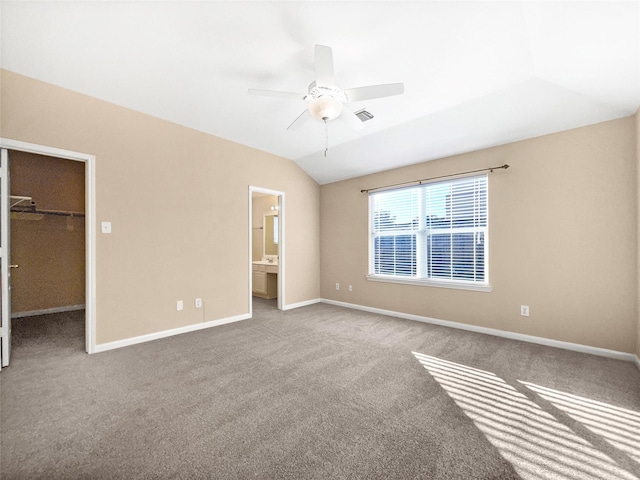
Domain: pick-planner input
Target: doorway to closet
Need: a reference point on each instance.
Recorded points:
(48, 252)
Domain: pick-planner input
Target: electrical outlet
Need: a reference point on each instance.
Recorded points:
(350, 288)
(524, 310)
(337, 286)
(179, 305)
(198, 303)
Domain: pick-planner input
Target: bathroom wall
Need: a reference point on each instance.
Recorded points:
(261, 206)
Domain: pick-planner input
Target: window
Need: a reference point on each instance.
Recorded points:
(434, 234)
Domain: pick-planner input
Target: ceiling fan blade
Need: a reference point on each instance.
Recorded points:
(374, 91)
(301, 120)
(351, 119)
(324, 65)
(275, 93)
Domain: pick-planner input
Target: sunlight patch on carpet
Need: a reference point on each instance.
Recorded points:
(531, 439)
(618, 426)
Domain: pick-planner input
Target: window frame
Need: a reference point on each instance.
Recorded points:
(421, 236)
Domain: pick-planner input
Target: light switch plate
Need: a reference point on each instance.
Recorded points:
(106, 227)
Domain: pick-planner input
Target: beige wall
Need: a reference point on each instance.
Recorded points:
(49, 249)
(178, 202)
(563, 234)
(638, 222)
(562, 239)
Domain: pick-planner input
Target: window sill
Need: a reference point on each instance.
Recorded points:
(431, 283)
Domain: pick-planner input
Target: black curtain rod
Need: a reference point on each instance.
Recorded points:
(419, 182)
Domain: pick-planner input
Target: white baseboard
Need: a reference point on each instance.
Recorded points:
(44, 311)
(302, 304)
(576, 347)
(103, 347)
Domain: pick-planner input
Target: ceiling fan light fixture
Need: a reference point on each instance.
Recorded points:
(325, 108)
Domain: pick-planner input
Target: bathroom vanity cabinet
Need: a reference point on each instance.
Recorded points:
(265, 280)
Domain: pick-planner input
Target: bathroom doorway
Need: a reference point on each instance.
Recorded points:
(266, 249)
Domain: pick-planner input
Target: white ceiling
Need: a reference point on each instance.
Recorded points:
(476, 74)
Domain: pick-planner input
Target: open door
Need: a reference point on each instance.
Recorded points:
(5, 260)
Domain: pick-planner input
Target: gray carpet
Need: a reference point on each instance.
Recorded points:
(319, 392)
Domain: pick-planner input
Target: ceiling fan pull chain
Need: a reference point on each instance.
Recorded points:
(326, 137)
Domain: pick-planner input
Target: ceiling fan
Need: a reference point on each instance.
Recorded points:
(325, 100)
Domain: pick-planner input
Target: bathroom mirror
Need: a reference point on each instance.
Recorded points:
(270, 229)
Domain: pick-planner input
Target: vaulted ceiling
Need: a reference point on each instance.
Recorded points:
(476, 74)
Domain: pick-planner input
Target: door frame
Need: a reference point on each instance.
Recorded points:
(5, 258)
(281, 244)
(89, 224)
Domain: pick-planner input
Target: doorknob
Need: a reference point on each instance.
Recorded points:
(14, 266)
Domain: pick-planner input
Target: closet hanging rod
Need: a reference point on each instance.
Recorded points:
(60, 213)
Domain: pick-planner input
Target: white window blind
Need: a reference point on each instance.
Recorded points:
(437, 232)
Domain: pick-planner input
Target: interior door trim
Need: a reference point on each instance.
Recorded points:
(5, 259)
